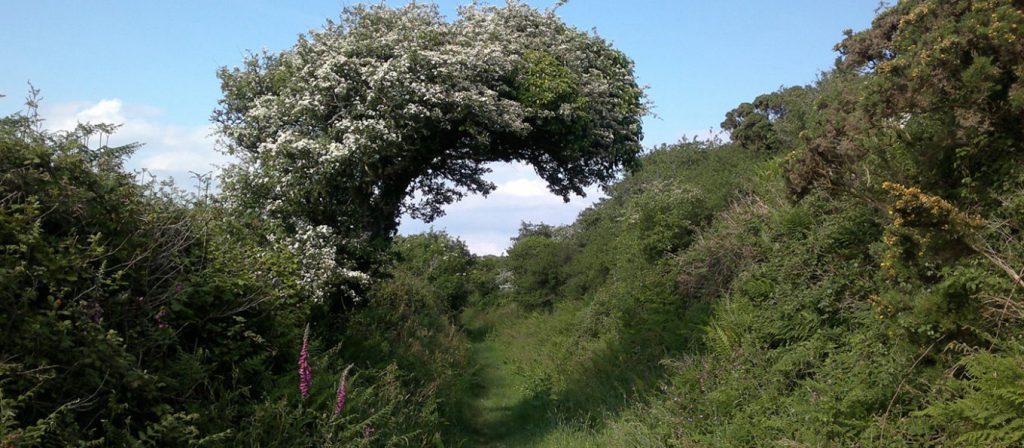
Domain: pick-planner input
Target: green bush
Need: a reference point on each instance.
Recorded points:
(131, 313)
(535, 262)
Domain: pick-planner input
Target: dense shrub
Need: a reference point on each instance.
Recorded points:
(131, 313)
(535, 262)
(136, 314)
(845, 273)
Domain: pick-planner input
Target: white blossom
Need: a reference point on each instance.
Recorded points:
(359, 115)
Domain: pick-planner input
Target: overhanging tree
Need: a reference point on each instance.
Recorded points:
(393, 111)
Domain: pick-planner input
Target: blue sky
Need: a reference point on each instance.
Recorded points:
(152, 65)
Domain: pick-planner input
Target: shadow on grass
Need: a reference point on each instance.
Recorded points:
(478, 333)
(597, 387)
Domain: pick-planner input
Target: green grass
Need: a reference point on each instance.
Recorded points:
(513, 401)
(533, 386)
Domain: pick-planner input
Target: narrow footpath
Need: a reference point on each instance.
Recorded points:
(506, 410)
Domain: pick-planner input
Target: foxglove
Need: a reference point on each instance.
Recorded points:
(342, 393)
(305, 371)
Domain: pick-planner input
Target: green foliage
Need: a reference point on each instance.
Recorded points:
(773, 122)
(128, 314)
(439, 260)
(845, 272)
(535, 262)
(408, 331)
(987, 406)
(934, 105)
(700, 305)
(594, 305)
(485, 281)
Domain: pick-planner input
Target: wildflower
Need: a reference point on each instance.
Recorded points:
(340, 403)
(160, 318)
(305, 372)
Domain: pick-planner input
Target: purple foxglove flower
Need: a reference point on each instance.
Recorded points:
(342, 392)
(305, 371)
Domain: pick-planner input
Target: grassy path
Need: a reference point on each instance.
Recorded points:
(534, 386)
(506, 410)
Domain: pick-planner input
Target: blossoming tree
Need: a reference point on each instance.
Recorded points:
(393, 111)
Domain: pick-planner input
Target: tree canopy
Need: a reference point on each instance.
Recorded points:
(393, 111)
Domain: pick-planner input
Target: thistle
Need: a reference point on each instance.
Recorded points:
(342, 393)
(305, 372)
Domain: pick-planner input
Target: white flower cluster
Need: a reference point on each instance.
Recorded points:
(387, 102)
(316, 249)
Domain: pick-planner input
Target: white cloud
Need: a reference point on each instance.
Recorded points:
(168, 149)
(488, 224)
(487, 243)
(525, 188)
